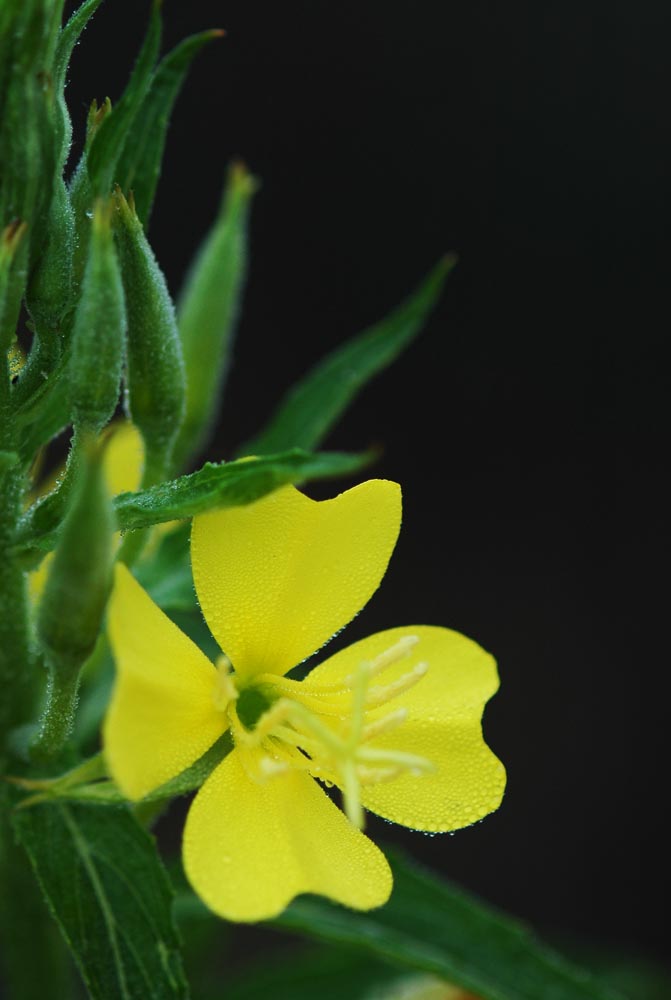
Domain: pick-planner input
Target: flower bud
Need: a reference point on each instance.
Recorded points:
(78, 584)
(208, 311)
(155, 370)
(99, 329)
(49, 293)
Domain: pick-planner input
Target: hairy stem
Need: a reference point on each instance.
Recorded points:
(15, 647)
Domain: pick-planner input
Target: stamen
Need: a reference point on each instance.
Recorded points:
(225, 690)
(351, 796)
(409, 761)
(322, 729)
(270, 766)
(384, 724)
(380, 693)
(388, 657)
(373, 775)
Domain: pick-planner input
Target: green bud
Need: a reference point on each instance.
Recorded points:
(155, 369)
(99, 329)
(81, 195)
(208, 311)
(49, 294)
(77, 588)
(71, 610)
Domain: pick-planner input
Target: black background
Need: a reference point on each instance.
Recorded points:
(528, 424)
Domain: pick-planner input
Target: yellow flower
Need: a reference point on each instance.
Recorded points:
(393, 721)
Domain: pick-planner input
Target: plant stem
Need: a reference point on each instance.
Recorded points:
(59, 712)
(15, 646)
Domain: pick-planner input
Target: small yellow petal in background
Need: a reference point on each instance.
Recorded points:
(250, 848)
(124, 458)
(443, 725)
(162, 716)
(37, 579)
(123, 462)
(277, 578)
(420, 988)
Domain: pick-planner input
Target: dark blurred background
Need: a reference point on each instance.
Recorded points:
(528, 424)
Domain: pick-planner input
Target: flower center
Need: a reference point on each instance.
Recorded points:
(326, 730)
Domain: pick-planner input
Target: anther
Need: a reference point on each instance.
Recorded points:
(380, 693)
(387, 658)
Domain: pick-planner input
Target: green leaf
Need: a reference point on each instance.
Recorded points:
(638, 977)
(68, 38)
(312, 407)
(140, 164)
(230, 484)
(109, 141)
(431, 926)
(327, 973)
(105, 886)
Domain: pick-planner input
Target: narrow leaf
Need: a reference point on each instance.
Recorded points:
(431, 926)
(107, 146)
(110, 895)
(140, 165)
(312, 407)
(69, 37)
(67, 40)
(328, 973)
(230, 484)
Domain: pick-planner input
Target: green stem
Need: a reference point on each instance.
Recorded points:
(15, 646)
(58, 717)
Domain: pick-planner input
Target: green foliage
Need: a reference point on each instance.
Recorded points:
(155, 371)
(328, 973)
(208, 310)
(11, 281)
(311, 408)
(229, 484)
(430, 926)
(109, 141)
(99, 330)
(140, 164)
(75, 597)
(107, 889)
(77, 587)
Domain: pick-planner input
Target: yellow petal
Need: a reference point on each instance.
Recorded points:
(443, 725)
(162, 715)
(122, 464)
(37, 579)
(276, 579)
(124, 458)
(249, 847)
